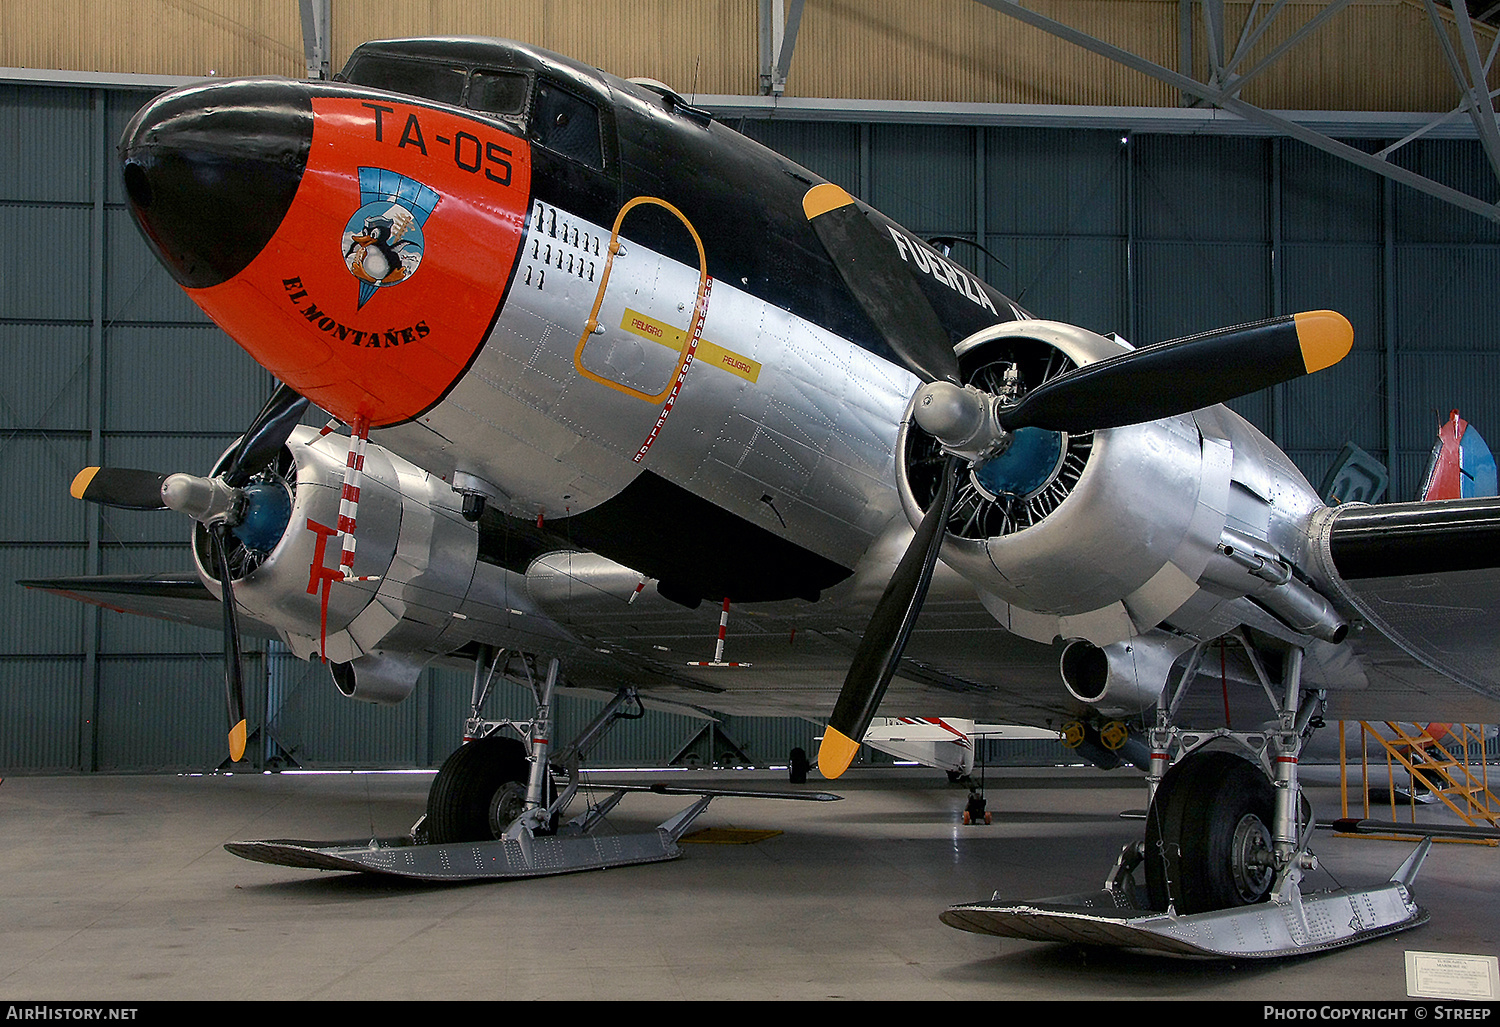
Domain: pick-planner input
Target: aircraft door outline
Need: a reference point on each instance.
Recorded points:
(615, 321)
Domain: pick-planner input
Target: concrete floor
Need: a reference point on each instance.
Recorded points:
(119, 889)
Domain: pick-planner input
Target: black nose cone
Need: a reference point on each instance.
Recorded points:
(210, 172)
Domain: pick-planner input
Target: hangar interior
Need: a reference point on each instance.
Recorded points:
(1096, 193)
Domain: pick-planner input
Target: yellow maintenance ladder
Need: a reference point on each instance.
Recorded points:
(1439, 761)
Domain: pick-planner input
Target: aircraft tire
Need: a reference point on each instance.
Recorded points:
(1207, 834)
(460, 800)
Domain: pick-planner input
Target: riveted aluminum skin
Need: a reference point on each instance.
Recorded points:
(772, 404)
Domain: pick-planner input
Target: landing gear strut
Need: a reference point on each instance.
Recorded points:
(1220, 832)
(494, 783)
(1225, 849)
(495, 808)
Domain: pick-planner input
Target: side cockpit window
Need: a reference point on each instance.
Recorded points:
(554, 117)
(567, 124)
(498, 92)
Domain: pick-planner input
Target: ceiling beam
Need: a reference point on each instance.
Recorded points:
(1225, 100)
(779, 22)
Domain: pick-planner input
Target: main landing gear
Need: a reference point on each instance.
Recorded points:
(1226, 846)
(495, 808)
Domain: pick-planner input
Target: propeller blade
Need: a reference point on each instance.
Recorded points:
(121, 487)
(266, 435)
(881, 282)
(879, 652)
(1184, 374)
(234, 678)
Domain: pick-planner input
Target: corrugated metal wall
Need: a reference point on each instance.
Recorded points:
(1151, 235)
(1375, 55)
(160, 37)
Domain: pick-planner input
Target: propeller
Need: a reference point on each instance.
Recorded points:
(976, 427)
(879, 653)
(225, 504)
(266, 435)
(879, 280)
(234, 673)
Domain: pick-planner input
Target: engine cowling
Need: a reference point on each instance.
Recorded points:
(430, 594)
(1097, 536)
(1103, 536)
(1123, 678)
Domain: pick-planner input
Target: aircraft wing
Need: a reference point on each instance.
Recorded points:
(1422, 577)
(181, 598)
(960, 661)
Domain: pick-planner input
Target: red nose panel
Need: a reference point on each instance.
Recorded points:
(378, 288)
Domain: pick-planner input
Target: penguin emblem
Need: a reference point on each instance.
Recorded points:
(375, 253)
(383, 241)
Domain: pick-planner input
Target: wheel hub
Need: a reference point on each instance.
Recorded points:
(1252, 862)
(508, 804)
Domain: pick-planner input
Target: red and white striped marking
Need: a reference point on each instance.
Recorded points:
(718, 660)
(637, 593)
(320, 577)
(959, 738)
(354, 469)
(699, 313)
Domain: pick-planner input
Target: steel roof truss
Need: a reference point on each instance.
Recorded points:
(1224, 100)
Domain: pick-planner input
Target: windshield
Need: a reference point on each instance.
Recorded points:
(493, 92)
(439, 82)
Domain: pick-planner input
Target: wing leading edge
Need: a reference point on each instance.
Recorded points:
(182, 598)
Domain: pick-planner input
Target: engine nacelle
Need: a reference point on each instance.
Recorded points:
(1105, 535)
(429, 593)
(1096, 536)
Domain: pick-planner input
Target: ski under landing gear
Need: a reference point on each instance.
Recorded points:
(495, 808)
(1225, 849)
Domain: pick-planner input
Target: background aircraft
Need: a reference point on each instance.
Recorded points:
(946, 743)
(608, 367)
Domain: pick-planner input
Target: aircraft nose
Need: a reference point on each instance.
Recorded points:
(211, 170)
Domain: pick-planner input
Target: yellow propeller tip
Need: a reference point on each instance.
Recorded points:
(81, 481)
(836, 753)
(820, 199)
(1325, 337)
(237, 742)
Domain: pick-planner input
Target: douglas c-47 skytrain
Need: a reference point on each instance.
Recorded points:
(603, 374)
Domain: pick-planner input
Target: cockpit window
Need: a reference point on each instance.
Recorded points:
(567, 124)
(426, 79)
(559, 119)
(498, 92)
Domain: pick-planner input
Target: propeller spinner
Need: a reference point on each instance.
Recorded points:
(978, 428)
(229, 503)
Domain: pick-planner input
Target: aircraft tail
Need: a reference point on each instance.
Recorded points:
(1462, 466)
